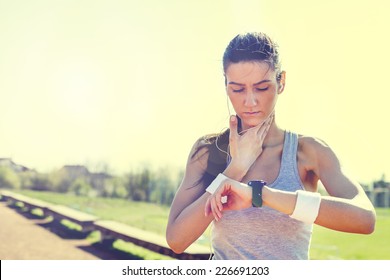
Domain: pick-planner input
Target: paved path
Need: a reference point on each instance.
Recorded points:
(23, 238)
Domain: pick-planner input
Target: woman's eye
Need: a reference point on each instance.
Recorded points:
(262, 89)
(238, 90)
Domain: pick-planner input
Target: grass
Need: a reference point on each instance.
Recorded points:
(142, 215)
(326, 244)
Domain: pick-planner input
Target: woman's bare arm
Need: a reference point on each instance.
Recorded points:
(347, 208)
(187, 222)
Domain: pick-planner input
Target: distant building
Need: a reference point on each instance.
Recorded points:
(379, 193)
(7, 162)
(74, 171)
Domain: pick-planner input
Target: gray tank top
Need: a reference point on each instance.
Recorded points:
(264, 233)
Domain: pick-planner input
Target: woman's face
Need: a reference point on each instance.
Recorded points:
(253, 90)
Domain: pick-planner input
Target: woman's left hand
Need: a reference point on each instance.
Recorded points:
(238, 196)
(246, 147)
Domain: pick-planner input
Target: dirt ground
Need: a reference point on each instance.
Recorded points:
(25, 237)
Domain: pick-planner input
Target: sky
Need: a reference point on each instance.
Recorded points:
(124, 83)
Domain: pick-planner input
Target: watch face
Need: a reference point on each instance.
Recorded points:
(257, 189)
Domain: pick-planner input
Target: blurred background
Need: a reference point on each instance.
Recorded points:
(106, 98)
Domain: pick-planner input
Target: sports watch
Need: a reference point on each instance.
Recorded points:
(257, 192)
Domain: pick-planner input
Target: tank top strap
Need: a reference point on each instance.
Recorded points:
(289, 166)
(289, 157)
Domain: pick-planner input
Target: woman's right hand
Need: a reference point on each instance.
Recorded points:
(247, 147)
(237, 195)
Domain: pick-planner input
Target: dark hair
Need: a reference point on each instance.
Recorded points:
(255, 46)
(217, 146)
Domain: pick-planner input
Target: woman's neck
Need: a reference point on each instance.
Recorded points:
(274, 136)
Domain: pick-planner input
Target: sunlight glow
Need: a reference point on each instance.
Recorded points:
(129, 82)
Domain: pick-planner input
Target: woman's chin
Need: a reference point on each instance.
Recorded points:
(250, 124)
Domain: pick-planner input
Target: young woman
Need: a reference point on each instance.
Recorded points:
(271, 218)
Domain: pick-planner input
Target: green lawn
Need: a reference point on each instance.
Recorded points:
(326, 244)
(329, 244)
(143, 215)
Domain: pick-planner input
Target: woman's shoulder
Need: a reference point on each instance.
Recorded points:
(209, 145)
(213, 139)
(316, 155)
(200, 149)
(314, 147)
(311, 142)
(202, 144)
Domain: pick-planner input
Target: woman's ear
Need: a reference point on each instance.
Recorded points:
(282, 82)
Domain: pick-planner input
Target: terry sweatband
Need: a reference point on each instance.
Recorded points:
(216, 183)
(307, 206)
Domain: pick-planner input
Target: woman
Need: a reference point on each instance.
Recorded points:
(222, 179)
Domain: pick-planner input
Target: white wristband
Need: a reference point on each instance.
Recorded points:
(307, 206)
(216, 183)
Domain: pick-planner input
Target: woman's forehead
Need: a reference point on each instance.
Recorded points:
(250, 71)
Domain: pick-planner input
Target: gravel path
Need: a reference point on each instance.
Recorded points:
(23, 238)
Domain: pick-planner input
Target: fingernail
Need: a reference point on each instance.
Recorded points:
(232, 118)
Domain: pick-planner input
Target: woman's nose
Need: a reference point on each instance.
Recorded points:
(250, 99)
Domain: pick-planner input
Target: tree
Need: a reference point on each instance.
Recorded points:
(8, 178)
(81, 187)
(140, 185)
(165, 182)
(115, 187)
(40, 182)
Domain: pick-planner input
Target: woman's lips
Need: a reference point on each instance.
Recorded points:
(251, 114)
